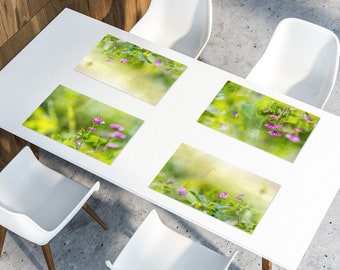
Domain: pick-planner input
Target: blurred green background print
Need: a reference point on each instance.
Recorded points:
(259, 120)
(84, 124)
(130, 68)
(215, 187)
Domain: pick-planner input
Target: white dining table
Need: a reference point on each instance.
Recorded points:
(308, 185)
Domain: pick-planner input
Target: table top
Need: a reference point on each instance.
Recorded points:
(307, 185)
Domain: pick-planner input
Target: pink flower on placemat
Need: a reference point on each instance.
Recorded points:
(222, 195)
(182, 191)
(171, 181)
(307, 117)
(274, 133)
(112, 145)
(91, 128)
(158, 62)
(117, 127)
(240, 196)
(77, 143)
(117, 134)
(271, 126)
(124, 60)
(234, 114)
(293, 138)
(275, 116)
(98, 120)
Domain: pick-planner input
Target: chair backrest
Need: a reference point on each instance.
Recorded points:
(301, 61)
(183, 26)
(37, 202)
(155, 246)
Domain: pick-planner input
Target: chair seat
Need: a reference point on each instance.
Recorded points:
(36, 202)
(155, 246)
(301, 61)
(50, 205)
(183, 26)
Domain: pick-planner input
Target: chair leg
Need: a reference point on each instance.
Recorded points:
(46, 249)
(93, 214)
(48, 256)
(3, 231)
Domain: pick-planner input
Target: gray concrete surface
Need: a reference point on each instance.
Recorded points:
(241, 30)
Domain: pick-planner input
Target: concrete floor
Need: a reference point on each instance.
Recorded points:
(241, 30)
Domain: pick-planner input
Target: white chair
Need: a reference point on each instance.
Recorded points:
(156, 247)
(37, 202)
(301, 61)
(182, 25)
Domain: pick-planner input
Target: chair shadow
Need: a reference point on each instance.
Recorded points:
(193, 231)
(181, 44)
(301, 92)
(23, 246)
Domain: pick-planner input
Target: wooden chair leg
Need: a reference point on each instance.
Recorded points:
(48, 256)
(93, 214)
(266, 265)
(3, 231)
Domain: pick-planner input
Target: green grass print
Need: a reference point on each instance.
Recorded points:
(130, 68)
(259, 120)
(215, 187)
(84, 124)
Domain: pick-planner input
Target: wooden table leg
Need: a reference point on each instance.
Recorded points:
(266, 265)
(10, 145)
(3, 231)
